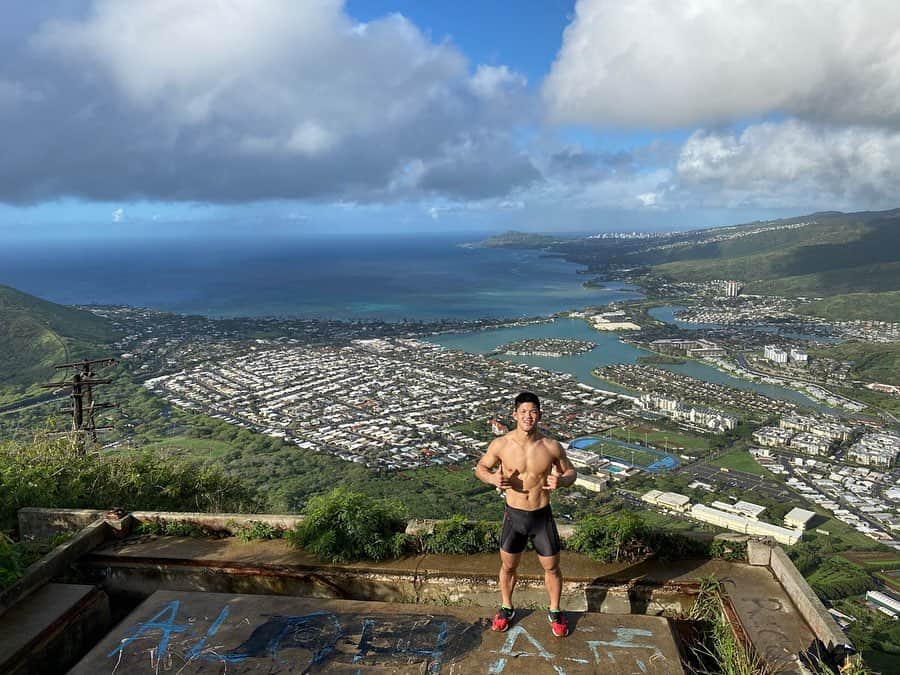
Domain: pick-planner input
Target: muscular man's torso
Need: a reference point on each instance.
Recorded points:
(527, 463)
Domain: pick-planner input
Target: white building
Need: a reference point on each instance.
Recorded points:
(744, 525)
(741, 508)
(776, 354)
(811, 444)
(732, 289)
(885, 603)
(668, 500)
(798, 519)
(799, 356)
(876, 449)
(592, 483)
(773, 436)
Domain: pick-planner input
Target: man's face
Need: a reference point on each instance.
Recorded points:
(527, 415)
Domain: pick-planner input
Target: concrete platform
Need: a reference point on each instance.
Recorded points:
(183, 632)
(51, 627)
(764, 609)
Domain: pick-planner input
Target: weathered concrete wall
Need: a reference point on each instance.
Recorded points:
(55, 563)
(808, 604)
(43, 524)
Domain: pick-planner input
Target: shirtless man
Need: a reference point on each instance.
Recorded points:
(526, 460)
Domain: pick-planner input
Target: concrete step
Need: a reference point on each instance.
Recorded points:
(48, 630)
(190, 632)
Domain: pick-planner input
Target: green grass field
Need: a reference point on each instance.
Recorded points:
(199, 448)
(659, 438)
(739, 460)
(638, 457)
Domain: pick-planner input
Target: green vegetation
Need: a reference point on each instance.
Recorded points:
(839, 578)
(659, 359)
(715, 650)
(626, 537)
(47, 472)
(256, 530)
(872, 361)
(875, 635)
(344, 526)
(515, 239)
(839, 254)
(741, 460)
(35, 335)
(458, 536)
(862, 306)
(660, 438)
(173, 528)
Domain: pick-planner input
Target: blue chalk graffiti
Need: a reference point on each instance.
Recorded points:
(507, 649)
(167, 627)
(625, 640)
(317, 633)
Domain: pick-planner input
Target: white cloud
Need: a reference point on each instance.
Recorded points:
(118, 215)
(792, 163)
(664, 64)
(246, 100)
(488, 81)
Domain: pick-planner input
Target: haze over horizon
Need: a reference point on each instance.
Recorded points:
(163, 118)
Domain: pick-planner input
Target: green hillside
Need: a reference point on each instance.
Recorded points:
(35, 335)
(862, 306)
(836, 254)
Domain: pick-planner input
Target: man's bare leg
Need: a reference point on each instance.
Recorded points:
(552, 579)
(509, 563)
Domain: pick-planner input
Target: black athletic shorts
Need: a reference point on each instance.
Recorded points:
(519, 525)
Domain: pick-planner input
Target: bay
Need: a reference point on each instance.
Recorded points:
(389, 278)
(609, 350)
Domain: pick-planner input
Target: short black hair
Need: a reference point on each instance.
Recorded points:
(526, 397)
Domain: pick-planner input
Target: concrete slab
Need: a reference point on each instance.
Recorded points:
(211, 632)
(772, 622)
(51, 626)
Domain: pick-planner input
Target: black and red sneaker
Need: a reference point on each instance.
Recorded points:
(558, 623)
(502, 619)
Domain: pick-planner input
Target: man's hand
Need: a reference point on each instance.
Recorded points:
(501, 480)
(551, 482)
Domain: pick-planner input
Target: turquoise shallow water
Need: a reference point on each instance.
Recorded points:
(608, 351)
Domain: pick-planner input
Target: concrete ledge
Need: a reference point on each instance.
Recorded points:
(55, 563)
(53, 628)
(43, 524)
(808, 604)
(759, 552)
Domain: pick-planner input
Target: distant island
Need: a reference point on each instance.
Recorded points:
(515, 239)
(552, 347)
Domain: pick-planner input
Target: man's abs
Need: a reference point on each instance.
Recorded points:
(530, 497)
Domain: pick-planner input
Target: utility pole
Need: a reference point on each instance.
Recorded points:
(83, 405)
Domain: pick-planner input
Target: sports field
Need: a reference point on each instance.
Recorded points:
(627, 453)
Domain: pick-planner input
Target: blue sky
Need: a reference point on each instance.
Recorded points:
(160, 117)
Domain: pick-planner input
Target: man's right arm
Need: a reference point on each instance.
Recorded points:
(484, 469)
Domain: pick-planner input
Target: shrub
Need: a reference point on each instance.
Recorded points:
(10, 563)
(458, 536)
(256, 529)
(47, 472)
(621, 537)
(344, 526)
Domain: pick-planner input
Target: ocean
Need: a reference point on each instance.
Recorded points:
(390, 278)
